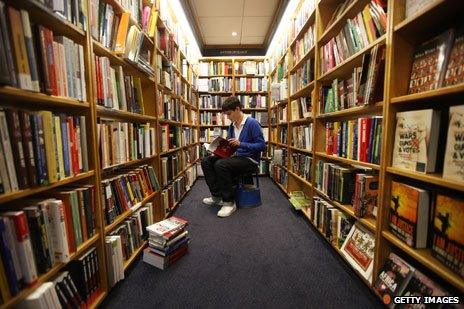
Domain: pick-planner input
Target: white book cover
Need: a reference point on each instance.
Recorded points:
(453, 167)
(416, 139)
(358, 249)
(59, 233)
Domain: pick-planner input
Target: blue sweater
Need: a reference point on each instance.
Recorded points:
(251, 139)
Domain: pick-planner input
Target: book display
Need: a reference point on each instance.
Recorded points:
(377, 115)
(85, 95)
(220, 78)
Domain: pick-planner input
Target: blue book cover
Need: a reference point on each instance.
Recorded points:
(39, 148)
(7, 260)
(64, 140)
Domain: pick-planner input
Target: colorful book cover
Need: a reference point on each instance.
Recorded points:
(358, 248)
(455, 69)
(408, 220)
(421, 285)
(221, 147)
(393, 278)
(345, 223)
(453, 167)
(416, 137)
(448, 233)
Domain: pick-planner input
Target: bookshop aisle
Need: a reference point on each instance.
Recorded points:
(268, 256)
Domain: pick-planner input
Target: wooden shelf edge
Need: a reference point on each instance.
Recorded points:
(305, 151)
(425, 257)
(136, 253)
(432, 94)
(311, 18)
(435, 179)
(348, 161)
(301, 179)
(21, 95)
(116, 168)
(109, 112)
(303, 59)
(302, 91)
(98, 300)
(127, 213)
(31, 191)
(353, 111)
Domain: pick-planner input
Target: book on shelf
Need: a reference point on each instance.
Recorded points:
(454, 74)
(453, 167)
(365, 195)
(358, 249)
(415, 6)
(344, 225)
(33, 57)
(299, 200)
(393, 278)
(301, 165)
(421, 285)
(416, 140)
(448, 236)
(220, 147)
(409, 214)
(430, 62)
(40, 148)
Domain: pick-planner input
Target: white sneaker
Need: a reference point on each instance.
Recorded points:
(227, 209)
(211, 201)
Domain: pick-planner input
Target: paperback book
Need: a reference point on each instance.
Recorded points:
(220, 147)
(453, 167)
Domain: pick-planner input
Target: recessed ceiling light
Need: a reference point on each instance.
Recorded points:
(234, 33)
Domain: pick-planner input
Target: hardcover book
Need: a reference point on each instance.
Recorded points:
(421, 285)
(416, 140)
(358, 248)
(453, 167)
(393, 278)
(221, 147)
(455, 69)
(409, 214)
(167, 228)
(448, 233)
(429, 60)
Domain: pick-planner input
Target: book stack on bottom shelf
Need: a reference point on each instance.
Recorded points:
(168, 242)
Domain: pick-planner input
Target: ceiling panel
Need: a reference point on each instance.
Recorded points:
(260, 7)
(252, 40)
(220, 26)
(217, 8)
(255, 26)
(222, 40)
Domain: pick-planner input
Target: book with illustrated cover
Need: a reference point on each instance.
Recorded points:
(429, 60)
(358, 248)
(448, 233)
(421, 285)
(344, 224)
(220, 147)
(393, 278)
(409, 214)
(416, 140)
(453, 167)
(455, 69)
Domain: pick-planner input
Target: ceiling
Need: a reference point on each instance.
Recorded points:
(213, 22)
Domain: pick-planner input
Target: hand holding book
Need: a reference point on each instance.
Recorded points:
(222, 147)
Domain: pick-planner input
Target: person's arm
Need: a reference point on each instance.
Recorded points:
(257, 143)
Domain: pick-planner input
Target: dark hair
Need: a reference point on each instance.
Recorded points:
(230, 104)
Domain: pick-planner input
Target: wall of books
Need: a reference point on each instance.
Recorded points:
(365, 137)
(99, 129)
(220, 78)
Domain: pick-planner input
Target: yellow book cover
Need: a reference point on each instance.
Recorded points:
(152, 23)
(367, 18)
(49, 149)
(59, 146)
(139, 95)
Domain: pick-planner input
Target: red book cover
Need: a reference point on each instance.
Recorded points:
(329, 138)
(74, 155)
(221, 147)
(48, 34)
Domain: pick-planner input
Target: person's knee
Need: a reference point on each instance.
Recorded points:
(220, 164)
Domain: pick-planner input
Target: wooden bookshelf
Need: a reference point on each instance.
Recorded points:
(11, 97)
(347, 161)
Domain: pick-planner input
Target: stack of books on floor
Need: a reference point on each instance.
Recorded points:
(167, 242)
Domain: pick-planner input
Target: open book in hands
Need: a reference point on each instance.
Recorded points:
(221, 147)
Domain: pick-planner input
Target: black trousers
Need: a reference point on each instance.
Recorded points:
(221, 174)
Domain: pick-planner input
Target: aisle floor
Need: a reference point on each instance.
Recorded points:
(268, 256)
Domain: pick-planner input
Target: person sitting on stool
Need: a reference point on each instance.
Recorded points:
(220, 173)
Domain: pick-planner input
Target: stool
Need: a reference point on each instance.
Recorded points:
(248, 195)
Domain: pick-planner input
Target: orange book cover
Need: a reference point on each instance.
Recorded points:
(448, 232)
(408, 218)
(121, 35)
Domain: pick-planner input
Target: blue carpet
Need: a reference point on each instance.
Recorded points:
(266, 256)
